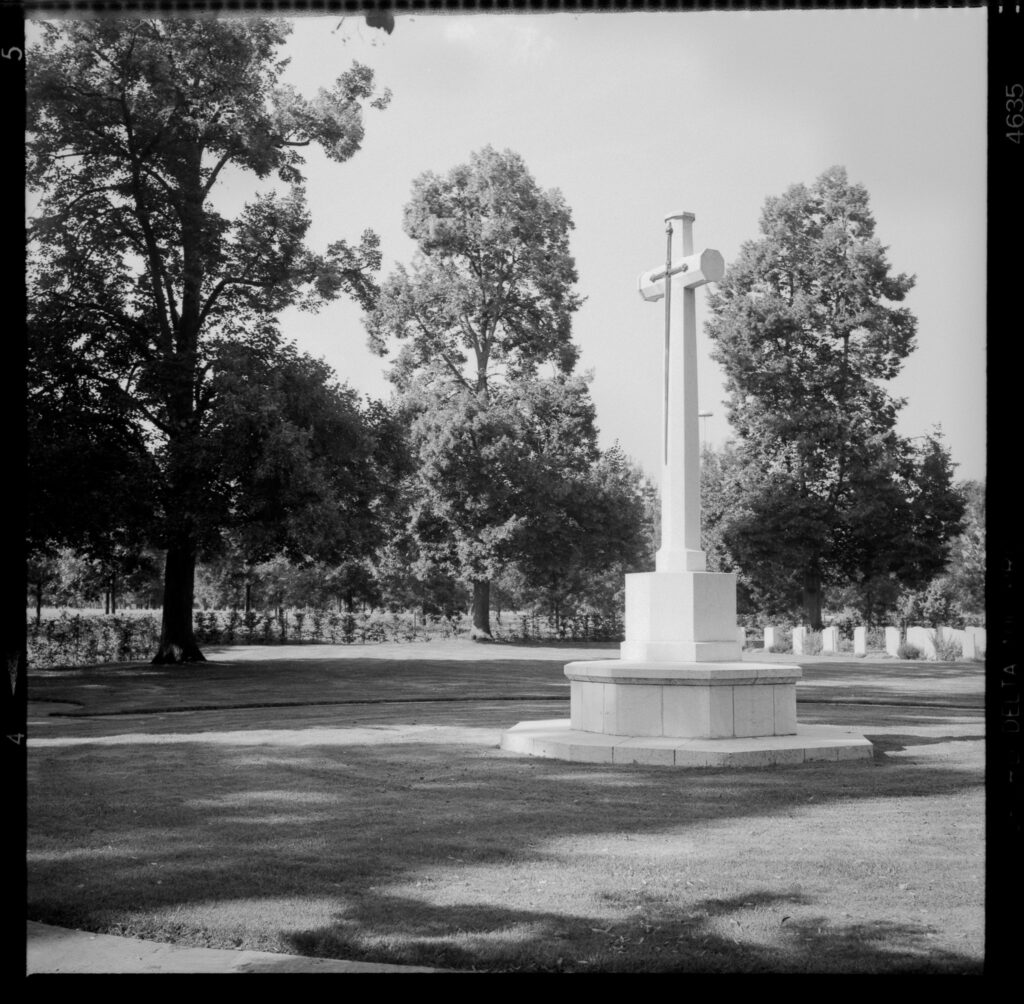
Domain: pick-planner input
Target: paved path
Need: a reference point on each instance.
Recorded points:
(58, 950)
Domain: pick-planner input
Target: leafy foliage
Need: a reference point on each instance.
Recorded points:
(821, 489)
(304, 467)
(490, 294)
(506, 457)
(965, 572)
(151, 307)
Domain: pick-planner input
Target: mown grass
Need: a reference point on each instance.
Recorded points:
(401, 833)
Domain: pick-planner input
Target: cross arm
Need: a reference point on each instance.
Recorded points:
(696, 270)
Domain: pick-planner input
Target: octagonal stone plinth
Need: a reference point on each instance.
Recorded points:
(683, 700)
(740, 714)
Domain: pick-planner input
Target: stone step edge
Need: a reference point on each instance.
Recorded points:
(555, 739)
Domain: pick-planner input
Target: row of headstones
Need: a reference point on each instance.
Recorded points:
(971, 639)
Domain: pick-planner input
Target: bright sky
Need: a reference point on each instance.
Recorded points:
(635, 115)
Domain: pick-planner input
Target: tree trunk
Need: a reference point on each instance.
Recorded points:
(177, 636)
(39, 603)
(811, 600)
(481, 630)
(113, 592)
(248, 596)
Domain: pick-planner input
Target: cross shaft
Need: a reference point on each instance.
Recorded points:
(680, 482)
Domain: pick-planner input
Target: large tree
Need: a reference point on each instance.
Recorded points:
(90, 477)
(305, 470)
(483, 317)
(966, 570)
(133, 269)
(594, 527)
(807, 327)
(957, 595)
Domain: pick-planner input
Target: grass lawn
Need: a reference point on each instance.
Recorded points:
(285, 817)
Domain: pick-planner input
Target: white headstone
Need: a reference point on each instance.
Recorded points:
(968, 646)
(830, 639)
(924, 639)
(769, 637)
(799, 637)
(892, 641)
(860, 641)
(979, 635)
(954, 636)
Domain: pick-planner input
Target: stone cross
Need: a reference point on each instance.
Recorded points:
(680, 475)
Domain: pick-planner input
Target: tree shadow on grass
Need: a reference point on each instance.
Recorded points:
(218, 827)
(898, 743)
(136, 689)
(752, 933)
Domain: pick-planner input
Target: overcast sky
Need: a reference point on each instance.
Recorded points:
(636, 115)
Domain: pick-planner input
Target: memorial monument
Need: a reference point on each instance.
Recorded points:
(681, 694)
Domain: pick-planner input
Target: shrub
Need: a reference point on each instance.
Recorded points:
(846, 620)
(79, 640)
(251, 621)
(317, 617)
(783, 639)
(948, 649)
(333, 626)
(908, 651)
(875, 639)
(82, 639)
(812, 643)
(267, 628)
(231, 625)
(932, 606)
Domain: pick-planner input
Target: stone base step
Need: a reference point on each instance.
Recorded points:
(556, 739)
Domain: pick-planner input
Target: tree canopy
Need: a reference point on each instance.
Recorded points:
(807, 328)
(502, 431)
(138, 282)
(490, 296)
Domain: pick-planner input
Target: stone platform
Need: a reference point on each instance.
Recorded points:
(558, 740)
(683, 700)
(684, 714)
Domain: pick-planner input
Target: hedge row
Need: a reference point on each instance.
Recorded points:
(88, 639)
